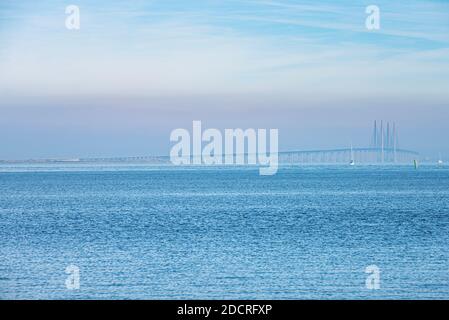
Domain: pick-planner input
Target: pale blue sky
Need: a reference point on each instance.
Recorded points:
(274, 61)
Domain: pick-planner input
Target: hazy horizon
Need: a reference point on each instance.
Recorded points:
(136, 71)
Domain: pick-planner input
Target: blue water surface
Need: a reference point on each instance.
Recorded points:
(161, 232)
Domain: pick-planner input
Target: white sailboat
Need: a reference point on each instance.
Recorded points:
(440, 161)
(352, 162)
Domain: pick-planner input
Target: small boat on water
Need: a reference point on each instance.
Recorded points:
(352, 162)
(440, 161)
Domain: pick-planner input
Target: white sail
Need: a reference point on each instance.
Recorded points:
(440, 160)
(352, 162)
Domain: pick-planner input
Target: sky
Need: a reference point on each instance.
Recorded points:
(135, 70)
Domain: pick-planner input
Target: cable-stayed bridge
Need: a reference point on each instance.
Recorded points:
(383, 149)
(345, 155)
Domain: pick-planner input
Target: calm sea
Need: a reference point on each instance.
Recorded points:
(160, 232)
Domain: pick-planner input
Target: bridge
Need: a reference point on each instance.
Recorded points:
(383, 149)
(358, 155)
(343, 155)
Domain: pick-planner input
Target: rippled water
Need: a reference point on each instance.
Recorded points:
(150, 232)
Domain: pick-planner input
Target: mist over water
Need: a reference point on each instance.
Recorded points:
(102, 127)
